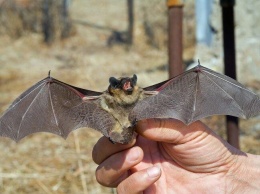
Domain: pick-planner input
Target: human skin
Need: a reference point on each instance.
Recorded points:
(168, 156)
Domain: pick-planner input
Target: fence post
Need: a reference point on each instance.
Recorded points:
(47, 22)
(175, 15)
(230, 63)
(130, 6)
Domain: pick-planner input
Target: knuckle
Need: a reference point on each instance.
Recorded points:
(101, 179)
(105, 178)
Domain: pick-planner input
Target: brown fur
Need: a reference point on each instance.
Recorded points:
(118, 103)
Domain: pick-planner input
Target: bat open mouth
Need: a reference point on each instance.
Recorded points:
(127, 87)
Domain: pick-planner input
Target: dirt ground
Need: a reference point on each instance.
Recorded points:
(45, 163)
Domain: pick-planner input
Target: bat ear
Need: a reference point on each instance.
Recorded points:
(134, 79)
(114, 82)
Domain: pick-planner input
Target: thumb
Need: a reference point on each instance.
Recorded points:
(170, 130)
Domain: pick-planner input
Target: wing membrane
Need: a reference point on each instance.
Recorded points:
(195, 94)
(55, 107)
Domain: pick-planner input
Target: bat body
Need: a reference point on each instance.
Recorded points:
(56, 107)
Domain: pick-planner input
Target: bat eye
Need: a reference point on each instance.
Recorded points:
(114, 82)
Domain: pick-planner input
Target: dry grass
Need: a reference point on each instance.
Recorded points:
(45, 163)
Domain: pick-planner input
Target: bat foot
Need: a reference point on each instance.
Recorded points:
(123, 137)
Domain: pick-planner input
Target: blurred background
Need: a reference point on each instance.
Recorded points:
(83, 43)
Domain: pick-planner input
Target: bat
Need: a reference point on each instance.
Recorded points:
(56, 107)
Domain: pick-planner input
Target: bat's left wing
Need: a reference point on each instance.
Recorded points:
(195, 94)
(55, 107)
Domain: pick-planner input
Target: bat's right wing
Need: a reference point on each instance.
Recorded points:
(56, 107)
(195, 94)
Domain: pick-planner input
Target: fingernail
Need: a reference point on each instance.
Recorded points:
(153, 171)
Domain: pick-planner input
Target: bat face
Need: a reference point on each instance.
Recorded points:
(124, 84)
(195, 94)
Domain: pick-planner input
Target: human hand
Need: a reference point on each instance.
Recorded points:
(170, 157)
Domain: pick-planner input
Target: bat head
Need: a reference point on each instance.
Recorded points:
(125, 84)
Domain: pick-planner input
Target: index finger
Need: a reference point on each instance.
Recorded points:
(170, 130)
(104, 148)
